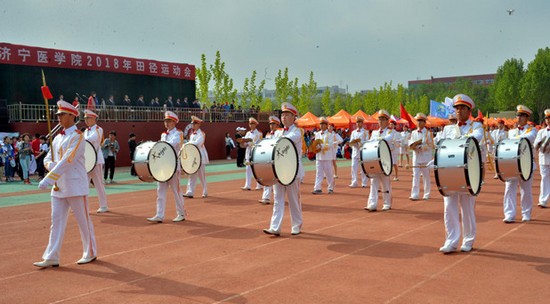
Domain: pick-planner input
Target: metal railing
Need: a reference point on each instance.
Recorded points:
(37, 113)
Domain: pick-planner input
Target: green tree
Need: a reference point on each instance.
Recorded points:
(203, 76)
(339, 104)
(282, 87)
(218, 74)
(307, 95)
(507, 86)
(536, 84)
(326, 104)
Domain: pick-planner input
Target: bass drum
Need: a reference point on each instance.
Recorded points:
(90, 156)
(514, 159)
(190, 158)
(155, 161)
(458, 166)
(274, 160)
(376, 158)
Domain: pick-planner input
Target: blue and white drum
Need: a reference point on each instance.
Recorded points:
(376, 158)
(155, 161)
(274, 160)
(458, 166)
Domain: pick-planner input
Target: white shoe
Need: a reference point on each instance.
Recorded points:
(102, 209)
(386, 208)
(396, 179)
(179, 218)
(264, 201)
(245, 188)
(86, 260)
(466, 248)
(272, 232)
(426, 198)
(155, 219)
(370, 208)
(542, 205)
(413, 198)
(296, 232)
(526, 219)
(508, 221)
(46, 263)
(447, 249)
(205, 195)
(353, 186)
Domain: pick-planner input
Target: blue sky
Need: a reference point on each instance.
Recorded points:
(358, 44)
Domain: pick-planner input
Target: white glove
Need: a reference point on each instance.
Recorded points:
(44, 184)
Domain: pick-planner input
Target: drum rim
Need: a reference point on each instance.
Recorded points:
(297, 162)
(148, 180)
(149, 167)
(95, 153)
(466, 170)
(380, 158)
(519, 159)
(497, 168)
(200, 158)
(436, 168)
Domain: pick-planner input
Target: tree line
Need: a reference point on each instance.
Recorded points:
(514, 84)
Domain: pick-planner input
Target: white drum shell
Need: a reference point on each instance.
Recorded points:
(376, 158)
(155, 161)
(455, 171)
(274, 160)
(190, 158)
(90, 156)
(514, 159)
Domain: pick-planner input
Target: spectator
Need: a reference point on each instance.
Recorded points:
(25, 151)
(229, 145)
(110, 148)
(140, 102)
(241, 148)
(168, 102)
(185, 103)
(42, 151)
(9, 158)
(132, 145)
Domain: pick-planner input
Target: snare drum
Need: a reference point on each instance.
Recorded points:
(155, 161)
(274, 160)
(190, 158)
(376, 158)
(90, 156)
(514, 159)
(458, 166)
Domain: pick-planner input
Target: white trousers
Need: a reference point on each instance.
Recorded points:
(452, 221)
(382, 183)
(417, 172)
(60, 212)
(266, 195)
(97, 177)
(544, 184)
(192, 181)
(249, 176)
(292, 192)
(510, 198)
(355, 166)
(162, 188)
(324, 168)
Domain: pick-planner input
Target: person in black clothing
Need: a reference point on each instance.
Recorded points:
(132, 145)
(241, 149)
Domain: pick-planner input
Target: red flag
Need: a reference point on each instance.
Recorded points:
(479, 114)
(91, 103)
(405, 115)
(46, 92)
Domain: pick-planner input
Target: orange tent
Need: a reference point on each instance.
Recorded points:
(342, 119)
(307, 120)
(366, 116)
(436, 122)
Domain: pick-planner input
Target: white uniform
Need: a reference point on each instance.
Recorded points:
(94, 135)
(422, 155)
(198, 138)
(268, 190)
(323, 160)
(381, 181)
(544, 164)
(465, 200)
(337, 140)
(175, 138)
(363, 136)
(255, 136)
(404, 146)
(292, 191)
(526, 193)
(68, 171)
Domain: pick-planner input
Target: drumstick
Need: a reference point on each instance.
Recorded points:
(428, 165)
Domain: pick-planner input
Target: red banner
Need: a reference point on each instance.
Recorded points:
(43, 57)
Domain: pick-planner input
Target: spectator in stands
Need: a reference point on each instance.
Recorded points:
(93, 99)
(196, 104)
(132, 145)
(127, 101)
(168, 102)
(178, 104)
(110, 149)
(185, 103)
(140, 102)
(35, 144)
(155, 102)
(111, 101)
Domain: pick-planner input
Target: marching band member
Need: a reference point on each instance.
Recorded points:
(522, 131)
(337, 140)
(543, 144)
(94, 134)
(292, 191)
(251, 138)
(463, 105)
(66, 164)
(395, 149)
(274, 124)
(498, 134)
(323, 159)
(404, 146)
(198, 138)
(381, 181)
(358, 137)
(422, 145)
(452, 121)
(174, 137)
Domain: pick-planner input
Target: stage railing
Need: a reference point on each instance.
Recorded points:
(37, 113)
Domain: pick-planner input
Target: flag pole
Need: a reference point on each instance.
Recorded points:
(48, 119)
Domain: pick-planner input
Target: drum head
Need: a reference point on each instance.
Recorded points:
(384, 153)
(472, 159)
(285, 161)
(162, 161)
(525, 160)
(190, 158)
(90, 156)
